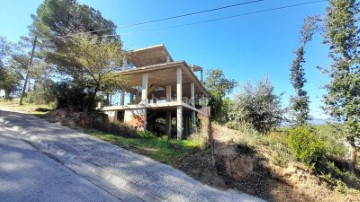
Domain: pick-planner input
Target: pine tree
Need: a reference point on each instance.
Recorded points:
(342, 34)
(300, 102)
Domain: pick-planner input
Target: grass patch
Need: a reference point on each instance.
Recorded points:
(161, 149)
(28, 108)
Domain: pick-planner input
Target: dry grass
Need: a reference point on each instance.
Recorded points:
(13, 105)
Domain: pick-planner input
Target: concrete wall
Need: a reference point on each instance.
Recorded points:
(135, 118)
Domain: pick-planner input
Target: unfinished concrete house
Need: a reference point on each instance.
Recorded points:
(163, 95)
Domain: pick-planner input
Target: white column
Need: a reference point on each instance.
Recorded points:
(168, 123)
(193, 121)
(192, 98)
(122, 97)
(179, 85)
(168, 93)
(125, 65)
(131, 98)
(144, 90)
(179, 122)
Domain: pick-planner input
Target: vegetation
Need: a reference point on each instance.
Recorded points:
(94, 58)
(219, 87)
(300, 102)
(342, 34)
(82, 57)
(304, 145)
(73, 63)
(161, 149)
(258, 106)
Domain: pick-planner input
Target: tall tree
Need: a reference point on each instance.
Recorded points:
(95, 59)
(56, 21)
(342, 34)
(58, 25)
(218, 86)
(300, 102)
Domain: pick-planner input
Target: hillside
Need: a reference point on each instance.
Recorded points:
(262, 166)
(243, 160)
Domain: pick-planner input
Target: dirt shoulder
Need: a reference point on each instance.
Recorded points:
(248, 170)
(251, 171)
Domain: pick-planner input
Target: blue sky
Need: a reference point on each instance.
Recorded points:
(246, 48)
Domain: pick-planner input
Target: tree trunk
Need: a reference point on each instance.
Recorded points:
(107, 99)
(28, 71)
(24, 87)
(351, 155)
(92, 98)
(7, 94)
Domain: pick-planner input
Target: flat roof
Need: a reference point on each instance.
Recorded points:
(151, 55)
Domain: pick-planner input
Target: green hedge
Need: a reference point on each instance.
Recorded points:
(304, 145)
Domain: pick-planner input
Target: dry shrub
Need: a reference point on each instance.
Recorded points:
(202, 135)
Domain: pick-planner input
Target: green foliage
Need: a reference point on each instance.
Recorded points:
(64, 17)
(94, 59)
(160, 149)
(69, 96)
(304, 145)
(342, 34)
(333, 137)
(43, 93)
(258, 106)
(9, 81)
(145, 134)
(84, 59)
(300, 102)
(218, 86)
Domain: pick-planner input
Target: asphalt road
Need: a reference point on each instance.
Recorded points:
(41, 161)
(29, 175)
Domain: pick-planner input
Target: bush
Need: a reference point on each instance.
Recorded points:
(305, 147)
(70, 96)
(257, 105)
(145, 134)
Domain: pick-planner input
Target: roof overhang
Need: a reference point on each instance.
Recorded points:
(151, 55)
(162, 74)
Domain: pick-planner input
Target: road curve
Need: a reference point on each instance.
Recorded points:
(106, 172)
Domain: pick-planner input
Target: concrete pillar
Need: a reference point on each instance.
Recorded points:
(193, 121)
(179, 122)
(131, 98)
(192, 98)
(187, 125)
(112, 115)
(144, 89)
(125, 65)
(122, 98)
(168, 123)
(145, 118)
(168, 93)
(179, 85)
